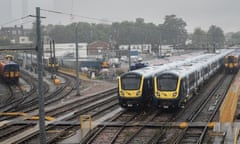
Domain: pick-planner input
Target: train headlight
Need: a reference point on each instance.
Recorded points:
(174, 94)
(17, 74)
(157, 94)
(6, 74)
(121, 93)
(138, 93)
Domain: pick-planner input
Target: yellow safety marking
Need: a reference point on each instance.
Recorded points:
(211, 124)
(13, 114)
(229, 106)
(48, 118)
(183, 125)
(73, 73)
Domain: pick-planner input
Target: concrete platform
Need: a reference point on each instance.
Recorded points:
(226, 133)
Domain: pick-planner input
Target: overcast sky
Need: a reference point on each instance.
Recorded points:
(196, 13)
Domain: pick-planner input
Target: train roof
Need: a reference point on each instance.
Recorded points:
(7, 62)
(182, 67)
(195, 65)
(235, 53)
(148, 71)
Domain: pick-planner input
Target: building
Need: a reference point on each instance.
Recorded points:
(98, 49)
(67, 50)
(14, 33)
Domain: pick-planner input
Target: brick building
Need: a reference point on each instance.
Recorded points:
(98, 49)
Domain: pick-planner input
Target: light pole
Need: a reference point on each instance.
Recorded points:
(40, 79)
(77, 65)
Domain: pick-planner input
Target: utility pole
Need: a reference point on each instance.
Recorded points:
(40, 78)
(50, 60)
(129, 54)
(77, 65)
(54, 60)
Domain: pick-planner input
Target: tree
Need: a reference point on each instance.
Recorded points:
(174, 31)
(233, 38)
(216, 37)
(199, 38)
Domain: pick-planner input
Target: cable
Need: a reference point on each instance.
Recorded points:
(14, 20)
(75, 15)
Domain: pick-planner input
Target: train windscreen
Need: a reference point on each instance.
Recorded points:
(51, 60)
(167, 82)
(11, 68)
(231, 59)
(130, 82)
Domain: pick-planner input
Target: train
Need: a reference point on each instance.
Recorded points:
(175, 87)
(232, 62)
(139, 88)
(30, 61)
(135, 88)
(9, 71)
(51, 63)
(138, 65)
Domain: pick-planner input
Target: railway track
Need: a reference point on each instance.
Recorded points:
(205, 112)
(160, 128)
(134, 129)
(81, 107)
(18, 94)
(127, 127)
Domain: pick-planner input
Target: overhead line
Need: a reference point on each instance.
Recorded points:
(75, 15)
(17, 19)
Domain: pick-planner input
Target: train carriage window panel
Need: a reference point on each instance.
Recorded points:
(167, 82)
(131, 82)
(191, 78)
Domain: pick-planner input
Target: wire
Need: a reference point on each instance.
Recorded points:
(75, 15)
(31, 21)
(15, 20)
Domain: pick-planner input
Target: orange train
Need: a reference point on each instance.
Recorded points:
(9, 71)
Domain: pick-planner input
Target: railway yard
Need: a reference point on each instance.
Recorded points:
(95, 116)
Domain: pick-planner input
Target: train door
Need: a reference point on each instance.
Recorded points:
(148, 90)
(187, 87)
(184, 90)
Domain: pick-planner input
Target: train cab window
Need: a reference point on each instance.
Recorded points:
(131, 82)
(230, 59)
(167, 82)
(51, 60)
(11, 68)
